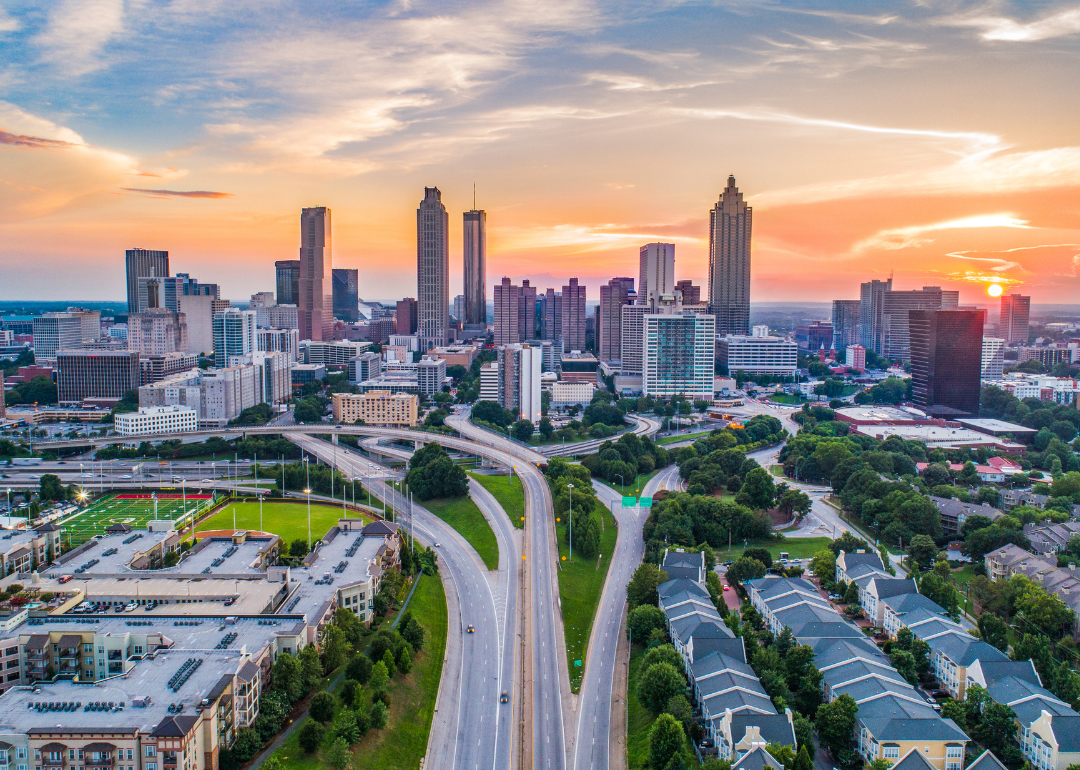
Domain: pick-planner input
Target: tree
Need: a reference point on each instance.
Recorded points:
(804, 733)
(803, 760)
(335, 647)
(880, 764)
(994, 631)
(359, 668)
(761, 554)
(338, 756)
(679, 707)
(823, 565)
(322, 707)
(350, 692)
(52, 488)
(287, 676)
(522, 430)
(904, 663)
(404, 660)
(411, 631)
(659, 684)
(298, 548)
(836, 724)
(794, 501)
(172, 558)
(433, 474)
(758, 490)
(996, 727)
(851, 595)
(665, 653)
(380, 678)
(644, 619)
(347, 726)
(746, 569)
(546, 428)
(642, 586)
(390, 663)
(666, 739)
(311, 735)
(379, 716)
(923, 549)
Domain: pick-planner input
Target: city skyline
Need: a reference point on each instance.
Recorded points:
(844, 129)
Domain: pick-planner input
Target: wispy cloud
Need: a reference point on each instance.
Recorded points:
(36, 142)
(1003, 28)
(907, 237)
(76, 32)
(178, 193)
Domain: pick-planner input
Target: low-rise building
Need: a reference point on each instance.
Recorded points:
(158, 419)
(567, 394)
(774, 356)
(337, 353)
(377, 407)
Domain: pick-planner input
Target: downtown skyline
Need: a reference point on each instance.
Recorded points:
(926, 141)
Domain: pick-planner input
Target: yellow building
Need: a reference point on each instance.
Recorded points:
(377, 407)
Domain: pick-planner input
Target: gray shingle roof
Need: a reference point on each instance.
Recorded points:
(986, 761)
(758, 759)
(774, 728)
(681, 585)
(914, 760)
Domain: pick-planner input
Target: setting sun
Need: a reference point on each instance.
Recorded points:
(994, 290)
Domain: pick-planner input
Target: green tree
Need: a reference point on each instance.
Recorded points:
(404, 660)
(642, 586)
(823, 565)
(335, 647)
(666, 739)
(923, 549)
(359, 668)
(522, 430)
(338, 756)
(803, 760)
(311, 736)
(379, 716)
(996, 727)
(644, 619)
(380, 678)
(433, 474)
(52, 489)
(350, 692)
(287, 676)
(298, 548)
(322, 707)
(745, 569)
(390, 663)
(761, 554)
(994, 631)
(836, 724)
(758, 490)
(851, 594)
(658, 685)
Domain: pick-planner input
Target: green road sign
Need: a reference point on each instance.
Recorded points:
(629, 502)
(645, 502)
(577, 663)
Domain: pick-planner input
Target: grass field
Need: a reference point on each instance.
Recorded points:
(412, 700)
(133, 509)
(796, 547)
(682, 437)
(507, 490)
(463, 515)
(638, 484)
(286, 519)
(580, 585)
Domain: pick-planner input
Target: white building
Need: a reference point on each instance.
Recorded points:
(279, 341)
(158, 419)
(157, 331)
(217, 395)
(993, 357)
(489, 381)
(283, 317)
(679, 355)
(758, 355)
(430, 375)
(410, 342)
(567, 394)
(365, 366)
(234, 335)
(1060, 390)
(274, 375)
(200, 311)
(337, 353)
(631, 337)
(656, 275)
(761, 330)
(519, 383)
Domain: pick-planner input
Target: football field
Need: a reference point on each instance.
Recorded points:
(135, 510)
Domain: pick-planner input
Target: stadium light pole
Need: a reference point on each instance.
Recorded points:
(308, 492)
(571, 517)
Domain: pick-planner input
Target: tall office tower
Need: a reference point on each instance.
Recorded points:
(1014, 319)
(573, 317)
(730, 228)
(234, 335)
(678, 355)
(617, 292)
(993, 357)
(527, 312)
(475, 276)
(552, 315)
(288, 281)
(946, 361)
(405, 317)
(845, 323)
(157, 331)
(70, 330)
(894, 315)
(316, 263)
(140, 263)
(691, 295)
(459, 308)
(871, 316)
(656, 273)
(190, 287)
(508, 305)
(432, 270)
(346, 293)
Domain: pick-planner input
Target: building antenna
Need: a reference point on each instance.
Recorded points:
(474, 196)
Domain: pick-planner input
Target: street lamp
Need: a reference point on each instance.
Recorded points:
(570, 515)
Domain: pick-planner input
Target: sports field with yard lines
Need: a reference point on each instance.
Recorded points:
(135, 510)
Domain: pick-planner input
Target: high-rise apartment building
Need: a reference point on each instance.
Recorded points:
(261, 304)
(527, 312)
(475, 267)
(432, 270)
(279, 341)
(157, 331)
(346, 294)
(993, 358)
(200, 312)
(519, 370)
(845, 322)
(616, 293)
(83, 374)
(283, 317)
(316, 263)
(405, 319)
(871, 315)
(70, 330)
(894, 315)
(158, 366)
(552, 315)
(288, 281)
(678, 355)
(1013, 323)
(946, 361)
(656, 271)
(234, 335)
(141, 263)
(730, 229)
(507, 305)
(691, 294)
(574, 316)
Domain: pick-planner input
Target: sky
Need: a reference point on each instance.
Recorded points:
(935, 141)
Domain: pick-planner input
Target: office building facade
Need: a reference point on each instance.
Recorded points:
(199, 312)
(730, 231)
(993, 358)
(160, 291)
(234, 335)
(283, 317)
(894, 311)
(83, 374)
(613, 296)
(346, 294)
(519, 368)
(140, 263)
(946, 361)
(552, 315)
(157, 366)
(70, 330)
(574, 316)
(156, 331)
(432, 270)
(405, 319)
(656, 271)
(1014, 320)
(871, 315)
(814, 336)
(475, 267)
(287, 273)
(691, 294)
(507, 304)
(679, 355)
(774, 356)
(430, 375)
(845, 322)
(272, 340)
(376, 407)
(316, 264)
(261, 304)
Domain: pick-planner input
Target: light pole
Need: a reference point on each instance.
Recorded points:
(622, 481)
(570, 516)
(307, 491)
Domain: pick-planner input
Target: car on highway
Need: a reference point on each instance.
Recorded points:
(125, 476)
(438, 545)
(206, 481)
(505, 697)
(470, 629)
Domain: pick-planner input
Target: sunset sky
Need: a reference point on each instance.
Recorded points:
(939, 141)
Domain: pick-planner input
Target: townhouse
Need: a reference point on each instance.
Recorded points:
(955, 512)
(1051, 538)
(23, 550)
(850, 566)
(874, 592)
(1064, 583)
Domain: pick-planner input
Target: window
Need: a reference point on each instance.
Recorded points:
(892, 752)
(149, 751)
(131, 754)
(151, 766)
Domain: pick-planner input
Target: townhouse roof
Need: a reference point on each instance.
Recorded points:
(831, 651)
(688, 573)
(995, 670)
(824, 630)
(1067, 733)
(856, 670)
(954, 509)
(702, 646)
(895, 718)
(681, 585)
(684, 603)
(986, 761)
(758, 759)
(865, 571)
(872, 687)
(741, 699)
(680, 558)
(380, 528)
(849, 560)
(699, 624)
(963, 649)
(926, 628)
(774, 728)
(727, 681)
(906, 604)
(1008, 554)
(890, 586)
(717, 662)
(1027, 699)
(914, 760)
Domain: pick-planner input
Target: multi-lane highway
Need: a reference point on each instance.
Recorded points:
(643, 426)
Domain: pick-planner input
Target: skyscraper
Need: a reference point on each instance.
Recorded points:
(656, 272)
(552, 315)
(617, 292)
(405, 318)
(845, 322)
(871, 315)
(234, 335)
(678, 355)
(316, 263)
(573, 316)
(475, 267)
(432, 270)
(691, 294)
(346, 293)
(507, 303)
(140, 263)
(894, 314)
(1014, 319)
(288, 281)
(946, 361)
(527, 312)
(730, 228)
(993, 357)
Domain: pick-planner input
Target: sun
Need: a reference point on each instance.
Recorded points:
(994, 290)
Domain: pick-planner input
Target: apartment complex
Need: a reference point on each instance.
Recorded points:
(758, 355)
(376, 407)
(157, 419)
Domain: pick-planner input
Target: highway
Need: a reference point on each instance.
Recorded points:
(643, 426)
(471, 729)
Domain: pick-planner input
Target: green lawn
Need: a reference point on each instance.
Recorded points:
(682, 437)
(507, 490)
(462, 514)
(796, 547)
(580, 585)
(634, 487)
(412, 699)
(289, 520)
(787, 398)
(640, 719)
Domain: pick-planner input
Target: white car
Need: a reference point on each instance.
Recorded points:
(126, 476)
(206, 481)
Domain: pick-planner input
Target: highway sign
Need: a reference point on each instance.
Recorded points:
(629, 502)
(645, 502)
